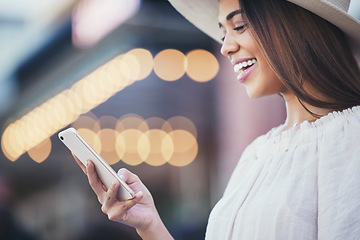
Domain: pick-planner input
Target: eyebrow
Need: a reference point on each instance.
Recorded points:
(232, 14)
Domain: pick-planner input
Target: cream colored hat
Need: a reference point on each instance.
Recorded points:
(204, 15)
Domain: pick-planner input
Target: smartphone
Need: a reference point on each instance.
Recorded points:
(83, 151)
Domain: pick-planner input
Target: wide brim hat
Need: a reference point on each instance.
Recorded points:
(204, 15)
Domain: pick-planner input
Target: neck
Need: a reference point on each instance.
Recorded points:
(297, 114)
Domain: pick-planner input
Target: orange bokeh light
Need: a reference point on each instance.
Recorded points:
(170, 64)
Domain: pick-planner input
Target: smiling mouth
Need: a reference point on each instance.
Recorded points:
(241, 67)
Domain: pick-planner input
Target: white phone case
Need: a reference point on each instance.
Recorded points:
(83, 151)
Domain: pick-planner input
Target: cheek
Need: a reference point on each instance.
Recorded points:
(273, 84)
(270, 80)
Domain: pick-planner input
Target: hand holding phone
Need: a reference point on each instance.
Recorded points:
(83, 151)
(139, 212)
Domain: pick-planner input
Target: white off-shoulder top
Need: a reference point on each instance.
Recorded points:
(302, 183)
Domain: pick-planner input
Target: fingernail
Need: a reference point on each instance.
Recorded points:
(114, 183)
(87, 163)
(139, 194)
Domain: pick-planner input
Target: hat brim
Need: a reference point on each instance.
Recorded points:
(340, 18)
(204, 15)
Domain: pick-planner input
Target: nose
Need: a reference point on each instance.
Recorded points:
(229, 46)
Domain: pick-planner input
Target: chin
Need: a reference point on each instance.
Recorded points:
(253, 94)
(258, 94)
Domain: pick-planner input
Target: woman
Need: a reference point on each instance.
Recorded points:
(301, 180)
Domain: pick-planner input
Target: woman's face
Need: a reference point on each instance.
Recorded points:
(241, 48)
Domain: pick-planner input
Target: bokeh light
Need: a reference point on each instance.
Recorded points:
(145, 60)
(160, 147)
(70, 108)
(202, 65)
(107, 122)
(40, 152)
(130, 138)
(79, 90)
(72, 105)
(112, 80)
(129, 66)
(170, 64)
(108, 138)
(92, 138)
(179, 123)
(75, 102)
(185, 148)
(10, 146)
(89, 121)
(131, 120)
(155, 122)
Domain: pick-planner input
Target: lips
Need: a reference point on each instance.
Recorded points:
(244, 67)
(244, 64)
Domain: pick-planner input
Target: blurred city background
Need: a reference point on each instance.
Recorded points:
(148, 90)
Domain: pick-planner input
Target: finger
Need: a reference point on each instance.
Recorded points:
(127, 204)
(95, 182)
(82, 166)
(90, 162)
(111, 195)
(131, 202)
(119, 211)
(128, 176)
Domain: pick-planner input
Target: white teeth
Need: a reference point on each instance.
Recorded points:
(239, 68)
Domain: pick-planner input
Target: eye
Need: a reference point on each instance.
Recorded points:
(223, 31)
(241, 28)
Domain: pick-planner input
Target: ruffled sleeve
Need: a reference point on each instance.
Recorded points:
(339, 177)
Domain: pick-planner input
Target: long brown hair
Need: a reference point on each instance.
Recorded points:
(303, 47)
